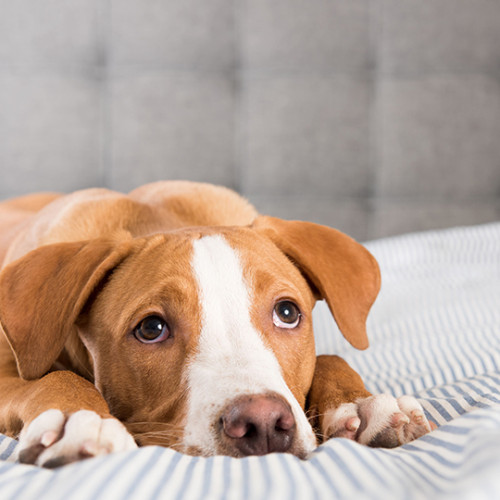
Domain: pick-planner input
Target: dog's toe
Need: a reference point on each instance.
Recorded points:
(391, 422)
(341, 422)
(418, 424)
(378, 421)
(42, 432)
(52, 439)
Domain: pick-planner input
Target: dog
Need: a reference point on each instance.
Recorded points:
(178, 316)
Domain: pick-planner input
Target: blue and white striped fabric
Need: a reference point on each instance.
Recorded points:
(435, 333)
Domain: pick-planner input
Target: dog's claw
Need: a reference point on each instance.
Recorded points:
(399, 419)
(418, 417)
(49, 438)
(378, 421)
(52, 440)
(344, 422)
(352, 424)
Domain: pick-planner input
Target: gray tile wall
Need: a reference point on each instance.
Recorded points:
(373, 116)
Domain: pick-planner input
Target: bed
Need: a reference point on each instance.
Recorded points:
(435, 333)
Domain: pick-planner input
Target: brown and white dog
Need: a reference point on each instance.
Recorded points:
(178, 316)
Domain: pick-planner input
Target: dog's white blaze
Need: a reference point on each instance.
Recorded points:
(232, 358)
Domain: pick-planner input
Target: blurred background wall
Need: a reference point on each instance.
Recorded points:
(374, 116)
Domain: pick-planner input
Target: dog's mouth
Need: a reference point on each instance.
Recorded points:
(247, 425)
(256, 424)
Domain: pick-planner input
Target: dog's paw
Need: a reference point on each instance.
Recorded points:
(378, 421)
(52, 439)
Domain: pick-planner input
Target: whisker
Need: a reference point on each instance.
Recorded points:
(146, 434)
(151, 422)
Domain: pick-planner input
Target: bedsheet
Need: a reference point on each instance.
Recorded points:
(435, 333)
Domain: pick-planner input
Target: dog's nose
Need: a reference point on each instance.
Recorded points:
(258, 424)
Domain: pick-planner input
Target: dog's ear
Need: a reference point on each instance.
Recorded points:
(42, 293)
(344, 273)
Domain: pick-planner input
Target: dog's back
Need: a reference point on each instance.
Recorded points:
(34, 220)
(16, 214)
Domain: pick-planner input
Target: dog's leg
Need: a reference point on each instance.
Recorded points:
(61, 418)
(342, 407)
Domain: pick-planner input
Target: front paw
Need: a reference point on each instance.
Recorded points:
(52, 439)
(378, 421)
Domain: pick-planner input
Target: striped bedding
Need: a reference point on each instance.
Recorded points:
(435, 333)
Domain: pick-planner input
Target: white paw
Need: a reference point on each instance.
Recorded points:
(381, 421)
(52, 439)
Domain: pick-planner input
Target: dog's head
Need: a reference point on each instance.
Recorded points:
(199, 339)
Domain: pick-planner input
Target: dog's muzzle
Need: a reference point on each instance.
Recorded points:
(257, 424)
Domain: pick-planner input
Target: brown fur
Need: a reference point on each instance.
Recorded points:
(80, 270)
(329, 391)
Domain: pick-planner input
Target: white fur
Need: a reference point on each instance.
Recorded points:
(342, 421)
(380, 412)
(231, 357)
(84, 431)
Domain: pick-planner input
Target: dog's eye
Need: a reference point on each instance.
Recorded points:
(152, 329)
(286, 314)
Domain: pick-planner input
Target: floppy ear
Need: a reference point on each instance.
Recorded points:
(42, 293)
(345, 274)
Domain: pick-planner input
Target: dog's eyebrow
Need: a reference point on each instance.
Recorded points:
(174, 297)
(263, 281)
